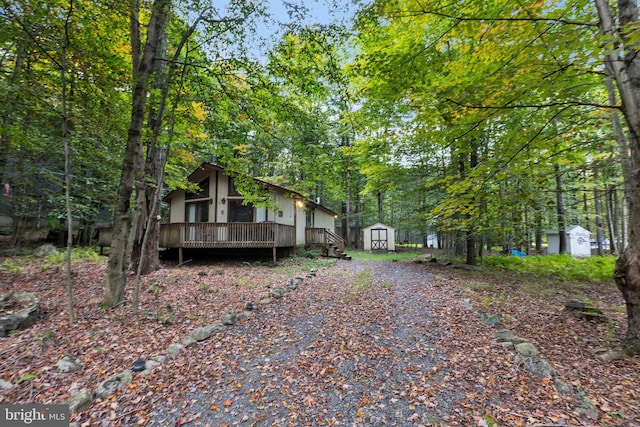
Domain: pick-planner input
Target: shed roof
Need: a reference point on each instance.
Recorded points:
(379, 225)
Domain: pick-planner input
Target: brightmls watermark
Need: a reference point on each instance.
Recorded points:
(34, 415)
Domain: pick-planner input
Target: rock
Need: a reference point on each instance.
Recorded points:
(265, 301)
(45, 250)
(174, 350)
(489, 319)
(160, 358)
(139, 365)
(562, 387)
(5, 385)
(5, 301)
(110, 385)
(587, 408)
(149, 368)
(188, 341)
(21, 319)
(249, 306)
(203, 332)
(292, 285)
(538, 366)
(613, 355)
(504, 335)
(506, 344)
(467, 304)
(245, 314)
(80, 401)
(229, 319)
(66, 365)
(527, 349)
(276, 293)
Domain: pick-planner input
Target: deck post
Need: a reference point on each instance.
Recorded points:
(180, 256)
(274, 254)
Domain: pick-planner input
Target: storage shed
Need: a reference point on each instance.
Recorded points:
(379, 237)
(578, 242)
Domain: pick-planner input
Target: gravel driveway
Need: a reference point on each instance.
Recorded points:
(355, 345)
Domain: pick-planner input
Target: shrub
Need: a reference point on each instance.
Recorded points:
(563, 267)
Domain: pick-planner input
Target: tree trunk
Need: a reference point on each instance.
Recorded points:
(67, 165)
(562, 226)
(626, 72)
(117, 264)
(596, 201)
(347, 239)
(611, 223)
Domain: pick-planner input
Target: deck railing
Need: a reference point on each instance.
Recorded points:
(226, 235)
(219, 235)
(324, 237)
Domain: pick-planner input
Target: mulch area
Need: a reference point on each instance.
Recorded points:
(361, 343)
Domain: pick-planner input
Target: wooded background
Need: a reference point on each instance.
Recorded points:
(487, 122)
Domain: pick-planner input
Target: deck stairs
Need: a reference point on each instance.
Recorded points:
(333, 246)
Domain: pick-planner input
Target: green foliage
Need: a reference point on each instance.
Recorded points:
(88, 253)
(361, 281)
(393, 256)
(8, 266)
(27, 377)
(563, 267)
(311, 253)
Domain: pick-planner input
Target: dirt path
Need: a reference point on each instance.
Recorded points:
(356, 344)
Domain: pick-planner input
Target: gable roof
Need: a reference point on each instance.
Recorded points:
(378, 225)
(206, 168)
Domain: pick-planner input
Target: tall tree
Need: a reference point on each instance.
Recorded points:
(622, 61)
(143, 58)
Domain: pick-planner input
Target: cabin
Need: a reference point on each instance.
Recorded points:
(215, 217)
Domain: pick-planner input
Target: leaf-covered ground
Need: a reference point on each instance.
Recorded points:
(361, 343)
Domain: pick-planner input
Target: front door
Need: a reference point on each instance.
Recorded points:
(196, 212)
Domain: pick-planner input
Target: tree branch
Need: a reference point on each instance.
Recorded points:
(411, 13)
(547, 105)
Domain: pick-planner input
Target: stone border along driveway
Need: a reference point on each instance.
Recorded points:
(526, 354)
(83, 400)
(528, 357)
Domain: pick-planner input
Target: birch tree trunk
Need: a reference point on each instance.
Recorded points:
(624, 66)
(562, 226)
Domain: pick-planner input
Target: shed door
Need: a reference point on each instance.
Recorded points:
(379, 239)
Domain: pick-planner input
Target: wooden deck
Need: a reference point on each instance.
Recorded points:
(206, 235)
(226, 235)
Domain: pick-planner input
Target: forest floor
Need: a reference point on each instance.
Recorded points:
(360, 343)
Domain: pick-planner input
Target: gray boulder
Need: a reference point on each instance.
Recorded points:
(229, 319)
(23, 318)
(67, 364)
(526, 349)
(111, 385)
(45, 250)
(80, 401)
(202, 333)
(174, 350)
(5, 385)
(188, 341)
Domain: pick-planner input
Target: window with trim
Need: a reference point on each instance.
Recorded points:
(233, 191)
(201, 193)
